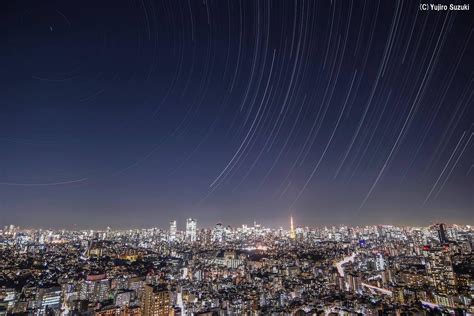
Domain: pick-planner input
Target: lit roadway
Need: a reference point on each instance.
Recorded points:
(340, 269)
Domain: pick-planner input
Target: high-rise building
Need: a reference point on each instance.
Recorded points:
(156, 301)
(292, 229)
(379, 262)
(440, 270)
(442, 234)
(191, 225)
(48, 298)
(173, 230)
(218, 233)
(94, 288)
(300, 233)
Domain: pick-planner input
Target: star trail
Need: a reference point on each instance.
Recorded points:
(133, 113)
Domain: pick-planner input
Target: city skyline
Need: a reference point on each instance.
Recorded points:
(237, 157)
(271, 223)
(244, 270)
(226, 111)
(174, 226)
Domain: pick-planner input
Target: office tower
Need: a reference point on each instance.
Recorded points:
(442, 235)
(300, 233)
(452, 234)
(173, 230)
(292, 229)
(218, 233)
(156, 301)
(191, 229)
(379, 262)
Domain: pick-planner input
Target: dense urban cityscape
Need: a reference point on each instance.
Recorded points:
(238, 270)
(236, 157)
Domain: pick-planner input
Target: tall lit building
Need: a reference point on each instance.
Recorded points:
(94, 288)
(173, 230)
(442, 234)
(218, 233)
(440, 270)
(292, 229)
(48, 298)
(156, 301)
(191, 225)
(379, 262)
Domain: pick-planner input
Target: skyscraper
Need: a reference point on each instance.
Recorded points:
(440, 270)
(191, 229)
(218, 233)
(292, 228)
(442, 235)
(173, 230)
(379, 262)
(156, 301)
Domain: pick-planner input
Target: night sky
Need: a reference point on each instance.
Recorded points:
(133, 113)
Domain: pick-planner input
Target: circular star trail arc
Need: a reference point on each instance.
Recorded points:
(341, 111)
